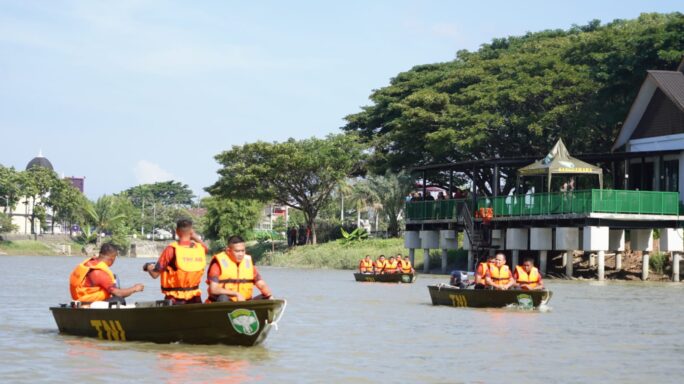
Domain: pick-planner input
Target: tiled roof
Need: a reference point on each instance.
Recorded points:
(672, 84)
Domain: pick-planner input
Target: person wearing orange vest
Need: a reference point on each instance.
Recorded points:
(92, 280)
(232, 275)
(405, 265)
(481, 272)
(380, 264)
(528, 277)
(498, 274)
(392, 265)
(181, 266)
(366, 265)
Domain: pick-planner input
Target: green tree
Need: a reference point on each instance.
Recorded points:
(68, 203)
(35, 185)
(517, 95)
(10, 184)
(389, 192)
(226, 217)
(106, 217)
(300, 174)
(6, 223)
(165, 193)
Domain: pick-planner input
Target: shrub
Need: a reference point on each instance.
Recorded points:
(658, 261)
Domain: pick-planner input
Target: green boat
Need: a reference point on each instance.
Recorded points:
(386, 277)
(444, 294)
(233, 323)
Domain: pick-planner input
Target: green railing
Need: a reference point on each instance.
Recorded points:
(557, 203)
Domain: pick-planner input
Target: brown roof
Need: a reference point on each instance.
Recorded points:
(672, 84)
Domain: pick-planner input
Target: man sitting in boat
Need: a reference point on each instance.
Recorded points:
(406, 267)
(92, 280)
(498, 274)
(527, 276)
(380, 265)
(366, 265)
(392, 265)
(181, 266)
(481, 272)
(232, 275)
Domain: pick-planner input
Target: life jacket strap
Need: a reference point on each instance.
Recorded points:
(167, 289)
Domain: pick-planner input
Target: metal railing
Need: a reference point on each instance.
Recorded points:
(556, 203)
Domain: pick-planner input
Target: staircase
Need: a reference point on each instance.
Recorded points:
(480, 236)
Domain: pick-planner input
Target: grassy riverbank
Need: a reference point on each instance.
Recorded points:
(338, 256)
(32, 248)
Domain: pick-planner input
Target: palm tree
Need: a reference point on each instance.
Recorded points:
(388, 193)
(104, 216)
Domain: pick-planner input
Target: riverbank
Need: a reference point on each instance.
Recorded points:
(38, 248)
(334, 255)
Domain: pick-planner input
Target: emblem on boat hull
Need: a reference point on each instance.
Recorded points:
(244, 321)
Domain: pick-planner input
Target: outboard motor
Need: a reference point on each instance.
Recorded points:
(459, 279)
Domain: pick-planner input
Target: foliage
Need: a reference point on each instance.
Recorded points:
(658, 261)
(6, 223)
(226, 217)
(300, 174)
(279, 224)
(354, 236)
(165, 193)
(390, 192)
(517, 95)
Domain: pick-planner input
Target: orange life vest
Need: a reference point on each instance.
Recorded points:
(366, 266)
(391, 266)
(236, 277)
(405, 266)
(380, 265)
(182, 280)
(77, 280)
(481, 272)
(500, 276)
(526, 280)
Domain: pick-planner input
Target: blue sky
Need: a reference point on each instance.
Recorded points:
(130, 92)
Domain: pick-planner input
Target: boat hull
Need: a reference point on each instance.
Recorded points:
(486, 298)
(232, 323)
(407, 278)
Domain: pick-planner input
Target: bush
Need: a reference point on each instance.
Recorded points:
(6, 223)
(658, 261)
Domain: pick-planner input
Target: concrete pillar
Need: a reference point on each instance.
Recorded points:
(444, 260)
(601, 265)
(471, 256)
(644, 266)
(542, 262)
(592, 260)
(618, 261)
(569, 263)
(426, 260)
(565, 259)
(412, 256)
(675, 267)
(515, 255)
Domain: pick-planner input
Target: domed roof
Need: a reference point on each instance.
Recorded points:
(40, 161)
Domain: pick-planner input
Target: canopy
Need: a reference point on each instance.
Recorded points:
(559, 161)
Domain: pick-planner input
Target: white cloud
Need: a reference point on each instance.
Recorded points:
(447, 30)
(147, 172)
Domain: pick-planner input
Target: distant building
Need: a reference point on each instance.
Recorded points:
(270, 215)
(77, 182)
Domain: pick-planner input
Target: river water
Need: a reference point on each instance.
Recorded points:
(338, 330)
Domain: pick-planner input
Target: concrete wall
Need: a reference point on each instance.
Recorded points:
(596, 238)
(412, 239)
(616, 240)
(448, 239)
(671, 240)
(516, 238)
(567, 238)
(540, 239)
(641, 240)
(429, 239)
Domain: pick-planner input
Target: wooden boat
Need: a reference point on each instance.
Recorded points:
(444, 294)
(232, 323)
(386, 277)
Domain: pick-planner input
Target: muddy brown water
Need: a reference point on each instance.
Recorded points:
(338, 330)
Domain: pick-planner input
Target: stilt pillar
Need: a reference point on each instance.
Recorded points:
(644, 266)
(542, 262)
(471, 261)
(569, 263)
(675, 266)
(618, 261)
(444, 260)
(412, 256)
(601, 265)
(426, 260)
(515, 255)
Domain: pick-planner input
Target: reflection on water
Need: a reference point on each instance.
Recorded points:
(337, 330)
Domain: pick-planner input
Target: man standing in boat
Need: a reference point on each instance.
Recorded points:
(499, 275)
(181, 266)
(528, 277)
(92, 280)
(232, 275)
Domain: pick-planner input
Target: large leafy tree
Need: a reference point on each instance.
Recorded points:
(227, 217)
(10, 188)
(516, 96)
(68, 203)
(35, 185)
(165, 193)
(298, 173)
